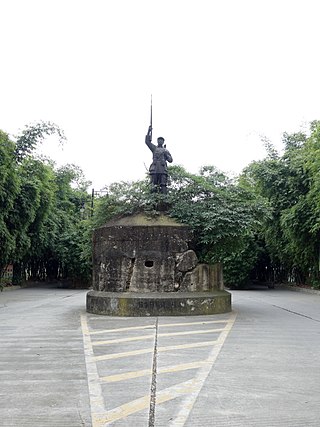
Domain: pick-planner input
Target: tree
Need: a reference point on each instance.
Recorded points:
(71, 242)
(290, 184)
(9, 188)
(57, 236)
(34, 134)
(33, 206)
(44, 226)
(222, 214)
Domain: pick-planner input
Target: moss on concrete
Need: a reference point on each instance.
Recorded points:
(141, 219)
(131, 304)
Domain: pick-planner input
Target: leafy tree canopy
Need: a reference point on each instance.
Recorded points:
(33, 135)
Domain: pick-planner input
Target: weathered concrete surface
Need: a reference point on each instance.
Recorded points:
(43, 379)
(158, 303)
(203, 277)
(186, 261)
(138, 258)
(63, 367)
(139, 255)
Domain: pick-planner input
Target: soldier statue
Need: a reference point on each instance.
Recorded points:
(158, 169)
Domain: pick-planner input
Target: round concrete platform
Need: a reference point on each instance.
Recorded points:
(158, 304)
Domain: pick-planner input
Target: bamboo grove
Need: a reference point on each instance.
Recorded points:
(264, 225)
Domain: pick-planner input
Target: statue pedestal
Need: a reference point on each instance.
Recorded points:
(145, 267)
(158, 303)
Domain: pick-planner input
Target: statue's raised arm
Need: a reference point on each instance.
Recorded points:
(149, 139)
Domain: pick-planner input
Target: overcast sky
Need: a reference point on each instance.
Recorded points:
(221, 73)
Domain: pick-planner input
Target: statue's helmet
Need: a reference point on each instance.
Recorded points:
(161, 140)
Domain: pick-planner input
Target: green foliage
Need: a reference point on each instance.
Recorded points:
(9, 189)
(222, 214)
(34, 134)
(291, 185)
(44, 212)
(70, 224)
(239, 264)
(123, 198)
(264, 225)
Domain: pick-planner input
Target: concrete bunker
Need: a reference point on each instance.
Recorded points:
(145, 266)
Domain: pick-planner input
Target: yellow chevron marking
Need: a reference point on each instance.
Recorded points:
(146, 372)
(132, 328)
(206, 322)
(150, 350)
(142, 338)
(200, 378)
(165, 325)
(137, 405)
(190, 389)
(120, 340)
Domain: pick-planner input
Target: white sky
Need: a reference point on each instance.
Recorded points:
(221, 73)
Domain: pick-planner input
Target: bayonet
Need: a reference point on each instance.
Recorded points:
(151, 120)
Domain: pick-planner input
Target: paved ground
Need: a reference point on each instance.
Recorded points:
(257, 366)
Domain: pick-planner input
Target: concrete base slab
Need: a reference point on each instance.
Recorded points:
(158, 304)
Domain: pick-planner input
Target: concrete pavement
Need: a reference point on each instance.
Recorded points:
(257, 366)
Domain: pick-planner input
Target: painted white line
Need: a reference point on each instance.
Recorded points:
(137, 405)
(95, 392)
(200, 378)
(120, 412)
(191, 388)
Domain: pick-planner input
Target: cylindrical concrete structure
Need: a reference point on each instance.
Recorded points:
(144, 266)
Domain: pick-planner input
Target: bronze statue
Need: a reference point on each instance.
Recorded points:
(158, 168)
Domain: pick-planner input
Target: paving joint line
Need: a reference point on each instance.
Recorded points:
(154, 379)
(296, 313)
